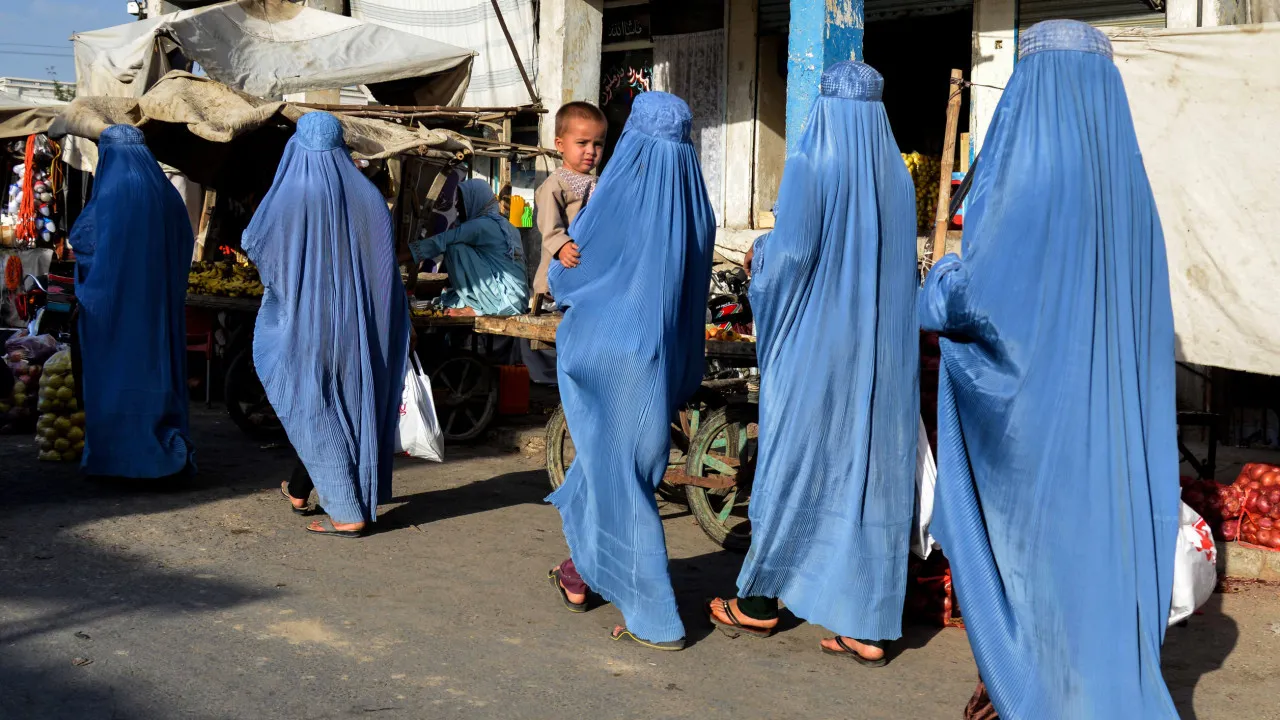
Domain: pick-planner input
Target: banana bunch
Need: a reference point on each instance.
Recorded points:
(224, 279)
(925, 173)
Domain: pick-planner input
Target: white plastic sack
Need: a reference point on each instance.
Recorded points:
(419, 433)
(1195, 567)
(922, 542)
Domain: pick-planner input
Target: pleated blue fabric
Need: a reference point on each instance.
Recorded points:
(833, 290)
(630, 350)
(483, 256)
(133, 247)
(332, 335)
(1057, 495)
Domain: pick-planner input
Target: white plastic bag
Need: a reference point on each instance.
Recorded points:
(419, 433)
(1195, 567)
(922, 542)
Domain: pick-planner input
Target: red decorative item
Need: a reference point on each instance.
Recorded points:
(931, 599)
(27, 228)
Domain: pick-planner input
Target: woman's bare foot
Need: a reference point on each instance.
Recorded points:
(573, 597)
(297, 503)
(736, 618)
(317, 526)
(461, 312)
(867, 652)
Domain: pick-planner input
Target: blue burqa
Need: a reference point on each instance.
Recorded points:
(833, 290)
(630, 350)
(133, 246)
(332, 335)
(483, 256)
(1057, 495)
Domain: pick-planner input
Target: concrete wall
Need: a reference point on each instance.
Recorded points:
(740, 111)
(569, 33)
(994, 51)
(771, 122)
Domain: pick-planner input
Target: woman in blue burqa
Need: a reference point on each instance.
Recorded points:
(483, 256)
(1057, 495)
(630, 350)
(332, 336)
(133, 246)
(833, 290)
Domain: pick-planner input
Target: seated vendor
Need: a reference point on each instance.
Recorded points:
(483, 256)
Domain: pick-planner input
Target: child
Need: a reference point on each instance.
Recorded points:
(580, 129)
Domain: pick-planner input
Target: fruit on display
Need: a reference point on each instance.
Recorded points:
(224, 279)
(1248, 510)
(426, 310)
(715, 332)
(60, 429)
(25, 355)
(926, 173)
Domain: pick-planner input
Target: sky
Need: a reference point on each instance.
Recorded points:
(35, 35)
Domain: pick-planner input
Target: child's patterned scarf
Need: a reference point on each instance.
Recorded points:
(580, 183)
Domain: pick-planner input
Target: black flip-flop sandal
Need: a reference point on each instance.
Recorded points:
(304, 510)
(554, 577)
(622, 633)
(335, 532)
(734, 625)
(856, 656)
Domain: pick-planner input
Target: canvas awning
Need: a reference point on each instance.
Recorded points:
(18, 120)
(269, 48)
(219, 137)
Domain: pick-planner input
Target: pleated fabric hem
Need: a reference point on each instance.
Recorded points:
(886, 627)
(562, 499)
(99, 464)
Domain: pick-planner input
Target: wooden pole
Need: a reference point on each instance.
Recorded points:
(941, 217)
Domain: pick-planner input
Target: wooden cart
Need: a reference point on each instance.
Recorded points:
(463, 380)
(713, 437)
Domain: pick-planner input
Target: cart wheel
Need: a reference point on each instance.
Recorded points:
(561, 452)
(727, 433)
(465, 390)
(247, 402)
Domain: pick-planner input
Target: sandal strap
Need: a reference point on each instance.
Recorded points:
(728, 612)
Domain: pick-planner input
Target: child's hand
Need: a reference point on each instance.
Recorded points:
(569, 256)
(746, 261)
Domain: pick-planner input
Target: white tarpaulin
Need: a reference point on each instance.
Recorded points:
(268, 48)
(472, 24)
(1205, 104)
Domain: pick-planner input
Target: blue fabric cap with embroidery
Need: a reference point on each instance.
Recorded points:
(1063, 35)
(852, 80)
(319, 131)
(122, 135)
(660, 115)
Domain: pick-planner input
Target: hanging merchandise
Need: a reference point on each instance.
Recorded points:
(26, 226)
(30, 212)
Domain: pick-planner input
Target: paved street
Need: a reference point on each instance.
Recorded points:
(209, 601)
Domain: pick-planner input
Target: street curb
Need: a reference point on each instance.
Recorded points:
(525, 439)
(1249, 563)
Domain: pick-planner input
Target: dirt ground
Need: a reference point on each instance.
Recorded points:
(207, 600)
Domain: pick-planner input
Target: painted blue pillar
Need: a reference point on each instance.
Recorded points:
(823, 32)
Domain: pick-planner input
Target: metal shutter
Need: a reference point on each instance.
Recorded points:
(775, 15)
(1126, 13)
(874, 10)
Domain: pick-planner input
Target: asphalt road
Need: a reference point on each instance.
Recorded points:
(208, 600)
